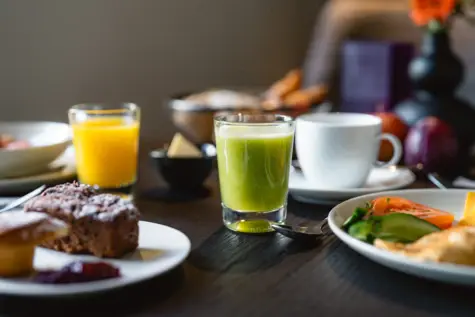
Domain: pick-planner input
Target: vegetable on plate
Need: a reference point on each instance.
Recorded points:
(395, 227)
(386, 205)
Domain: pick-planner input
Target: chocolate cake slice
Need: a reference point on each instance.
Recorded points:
(104, 225)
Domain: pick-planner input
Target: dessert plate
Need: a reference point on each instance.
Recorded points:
(61, 170)
(380, 179)
(161, 248)
(451, 200)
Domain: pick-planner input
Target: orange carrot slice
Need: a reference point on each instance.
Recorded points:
(388, 204)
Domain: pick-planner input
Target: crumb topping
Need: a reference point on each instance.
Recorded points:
(78, 201)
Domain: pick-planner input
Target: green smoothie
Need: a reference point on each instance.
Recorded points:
(254, 168)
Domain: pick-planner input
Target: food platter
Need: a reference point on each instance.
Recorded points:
(451, 200)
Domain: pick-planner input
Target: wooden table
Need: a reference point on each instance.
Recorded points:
(233, 275)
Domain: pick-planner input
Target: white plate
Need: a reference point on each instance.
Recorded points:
(161, 248)
(380, 179)
(451, 200)
(47, 139)
(61, 170)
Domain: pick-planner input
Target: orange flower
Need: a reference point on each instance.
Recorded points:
(423, 11)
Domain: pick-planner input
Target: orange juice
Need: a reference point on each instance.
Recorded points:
(106, 151)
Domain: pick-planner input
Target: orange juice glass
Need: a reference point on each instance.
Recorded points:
(106, 142)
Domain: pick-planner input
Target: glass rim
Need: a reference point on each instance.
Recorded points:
(224, 119)
(104, 108)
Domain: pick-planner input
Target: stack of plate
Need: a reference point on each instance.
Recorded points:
(49, 158)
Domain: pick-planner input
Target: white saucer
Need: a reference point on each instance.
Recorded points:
(380, 179)
(61, 170)
(161, 248)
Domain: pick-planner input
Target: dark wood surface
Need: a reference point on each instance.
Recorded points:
(233, 275)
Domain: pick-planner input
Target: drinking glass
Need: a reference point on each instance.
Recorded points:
(254, 156)
(106, 142)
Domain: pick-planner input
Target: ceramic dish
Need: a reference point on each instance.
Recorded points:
(380, 179)
(161, 248)
(196, 121)
(47, 141)
(451, 200)
(62, 170)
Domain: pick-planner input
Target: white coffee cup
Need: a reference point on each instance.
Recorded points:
(338, 150)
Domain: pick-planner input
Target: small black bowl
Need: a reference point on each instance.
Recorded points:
(185, 173)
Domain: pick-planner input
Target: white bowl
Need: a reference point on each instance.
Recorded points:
(48, 141)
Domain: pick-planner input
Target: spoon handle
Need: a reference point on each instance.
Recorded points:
(324, 227)
(23, 199)
(440, 183)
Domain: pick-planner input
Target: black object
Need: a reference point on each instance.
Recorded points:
(436, 74)
(185, 174)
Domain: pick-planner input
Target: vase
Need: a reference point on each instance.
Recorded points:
(436, 73)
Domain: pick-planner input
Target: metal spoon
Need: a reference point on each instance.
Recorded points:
(23, 199)
(435, 179)
(303, 233)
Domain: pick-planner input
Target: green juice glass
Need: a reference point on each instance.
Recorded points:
(254, 156)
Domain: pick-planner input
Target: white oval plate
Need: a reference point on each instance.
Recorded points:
(451, 200)
(61, 170)
(380, 179)
(161, 248)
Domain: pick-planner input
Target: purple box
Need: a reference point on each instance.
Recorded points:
(374, 75)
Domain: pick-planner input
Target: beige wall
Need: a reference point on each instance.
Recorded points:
(57, 53)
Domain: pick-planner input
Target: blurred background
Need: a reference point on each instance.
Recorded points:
(56, 53)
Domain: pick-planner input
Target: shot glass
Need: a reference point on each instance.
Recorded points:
(254, 154)
(106, 143)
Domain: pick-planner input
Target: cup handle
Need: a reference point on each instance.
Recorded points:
(397, 149)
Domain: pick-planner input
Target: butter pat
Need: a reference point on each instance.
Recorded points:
(181, 147)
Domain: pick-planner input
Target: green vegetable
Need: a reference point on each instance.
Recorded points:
(396, 227)
(357, 215)
(362, 230)
(405, 227)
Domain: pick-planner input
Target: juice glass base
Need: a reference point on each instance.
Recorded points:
(253, 222)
